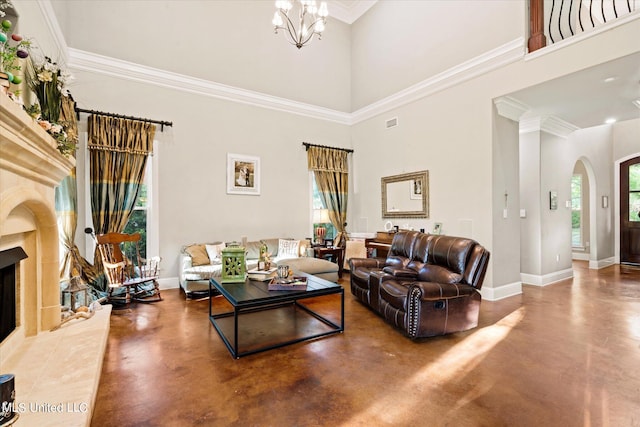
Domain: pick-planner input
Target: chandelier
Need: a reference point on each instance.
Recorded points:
(312, 20)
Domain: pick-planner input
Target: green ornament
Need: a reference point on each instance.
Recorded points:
(6, 24)
(16, 80)
(3, 37)
(9, 76)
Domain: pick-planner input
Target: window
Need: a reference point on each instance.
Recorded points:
(634, 193)
(143, 219)
(317, 204)
(138, 218)
(576, 211)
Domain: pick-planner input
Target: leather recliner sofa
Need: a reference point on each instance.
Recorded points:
(428, 285)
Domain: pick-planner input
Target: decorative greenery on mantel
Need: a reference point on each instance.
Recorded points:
(44, 77)
(27, 149)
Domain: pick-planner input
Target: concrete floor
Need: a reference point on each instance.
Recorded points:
(563, 355)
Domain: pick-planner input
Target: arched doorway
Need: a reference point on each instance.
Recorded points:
(630, 211)
(584, 236)
(580, 212)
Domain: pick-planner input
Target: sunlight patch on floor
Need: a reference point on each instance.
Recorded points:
(455, 363)
(634, 326)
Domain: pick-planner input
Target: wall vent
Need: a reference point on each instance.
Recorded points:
(392, 123)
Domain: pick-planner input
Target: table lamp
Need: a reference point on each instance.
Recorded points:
(320, 217)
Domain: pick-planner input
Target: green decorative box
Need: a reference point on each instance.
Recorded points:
(234, 267)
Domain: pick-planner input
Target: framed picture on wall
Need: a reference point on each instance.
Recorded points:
(437, 228)
(416, 189)
(243, 174)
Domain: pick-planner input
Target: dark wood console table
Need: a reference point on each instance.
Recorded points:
(336, 255)
(381, 243)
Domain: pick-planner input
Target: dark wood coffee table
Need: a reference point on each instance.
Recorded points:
(262, 320)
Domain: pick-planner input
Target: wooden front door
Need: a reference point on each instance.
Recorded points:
(630, 211)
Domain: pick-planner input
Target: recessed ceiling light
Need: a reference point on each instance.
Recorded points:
(636, 103)
(610, 121)
(609, 79)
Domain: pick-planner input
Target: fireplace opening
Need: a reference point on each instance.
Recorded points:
(9, 262)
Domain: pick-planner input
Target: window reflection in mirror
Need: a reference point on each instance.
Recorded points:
(406, 195)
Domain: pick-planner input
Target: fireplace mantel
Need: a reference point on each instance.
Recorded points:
(28, 150)
(30, 168)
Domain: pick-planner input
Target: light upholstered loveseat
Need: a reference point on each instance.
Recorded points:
(200, 262)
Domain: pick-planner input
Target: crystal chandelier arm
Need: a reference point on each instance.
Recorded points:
(290, 27)
(305, 41)
(313, 25)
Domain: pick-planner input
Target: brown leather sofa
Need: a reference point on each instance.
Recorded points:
(428, 285)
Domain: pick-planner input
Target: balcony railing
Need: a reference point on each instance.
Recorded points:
(554, 20)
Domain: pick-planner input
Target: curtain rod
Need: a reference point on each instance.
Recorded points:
(307, 145)
(162, 123)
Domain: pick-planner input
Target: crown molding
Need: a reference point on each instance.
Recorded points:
(349, 11)
(491, 60)
(100, 64)
(548, 124)
(558, 127)
(510, 108)
(91, 62)
(49, 15)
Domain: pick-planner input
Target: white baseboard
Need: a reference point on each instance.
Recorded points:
(546, 279)
(168, 283)
(601, 263)
(501, 292)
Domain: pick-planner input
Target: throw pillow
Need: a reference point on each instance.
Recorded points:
(288, 249)
(215, 252)
(198, 255)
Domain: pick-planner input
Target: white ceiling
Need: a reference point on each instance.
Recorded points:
(585, 99)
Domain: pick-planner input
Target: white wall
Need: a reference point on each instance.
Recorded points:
(530, 191)
(450, 134)
(555, 174)
(229, 42)
(626, 139)
(506, 207)
(399, 43)
(194, 206)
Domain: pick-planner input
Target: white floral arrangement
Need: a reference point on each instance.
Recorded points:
(49, 81)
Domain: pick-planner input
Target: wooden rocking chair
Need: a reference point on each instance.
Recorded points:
(130, 277)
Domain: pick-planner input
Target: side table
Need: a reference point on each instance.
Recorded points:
(336, 254)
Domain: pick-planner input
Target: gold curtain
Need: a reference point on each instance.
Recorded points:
(331, 171)
(68, 118)
(66, 200)
(119, 149)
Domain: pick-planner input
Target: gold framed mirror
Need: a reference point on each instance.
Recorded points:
(405, 195)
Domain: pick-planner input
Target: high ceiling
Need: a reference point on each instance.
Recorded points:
(349, 10)
(584, 99)
(590, 97)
